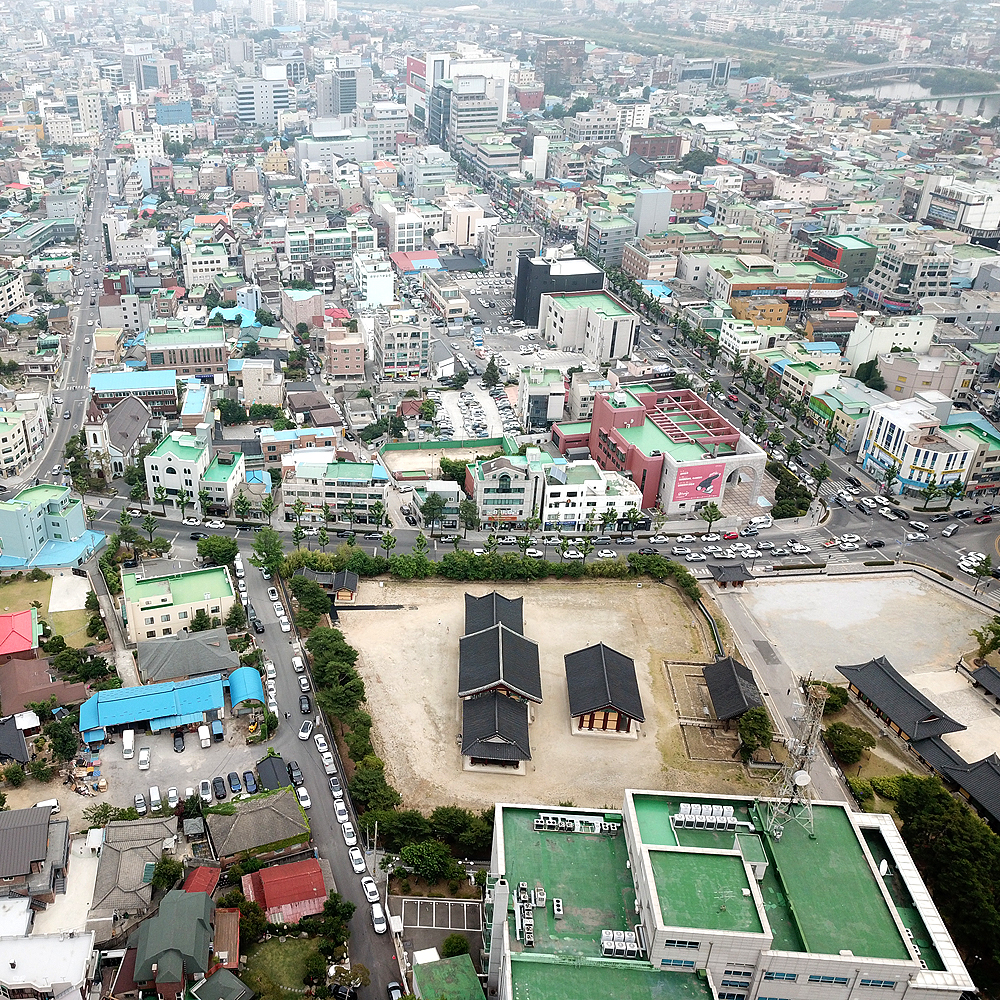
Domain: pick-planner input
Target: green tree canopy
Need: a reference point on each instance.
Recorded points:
(848, 743)
(218, 549)
(756, 732)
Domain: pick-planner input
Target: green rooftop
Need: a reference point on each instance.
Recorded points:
(36, 496)
(449, 979)
(600, 302)
(701, 890)
(536, 977)
(185, 336)
(219, 473)
(976, 431)
(182, 588)
(184, 446)
(589, 872)
(575, 427)
(845, 912)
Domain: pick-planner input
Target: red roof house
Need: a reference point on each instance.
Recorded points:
(202, 879)
(19, 633)
(287, 893)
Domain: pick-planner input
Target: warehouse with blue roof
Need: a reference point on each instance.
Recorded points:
(170, 705)
(157, 389)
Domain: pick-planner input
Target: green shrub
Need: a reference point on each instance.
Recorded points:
(14, 775)
(886, 786)
(836, 699)
(862, 788)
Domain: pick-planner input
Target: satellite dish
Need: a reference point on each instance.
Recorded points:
(883, 867)
(801, 779)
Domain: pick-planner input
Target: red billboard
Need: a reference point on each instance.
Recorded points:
(699, 482)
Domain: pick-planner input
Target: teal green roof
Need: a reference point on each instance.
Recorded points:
(181, 588)
(600, 302)
(182, 445)
(219, 473)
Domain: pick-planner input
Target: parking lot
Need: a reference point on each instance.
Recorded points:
(168, 769)
(472, 413)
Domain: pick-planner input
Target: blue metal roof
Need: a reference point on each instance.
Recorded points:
(245, 685)
(173, 703)
(132, 380)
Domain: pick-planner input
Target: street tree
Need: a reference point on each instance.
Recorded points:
(241, 506)
(183, 501)
(160, 497)
(755, 732)
(890, 477)
(774, 438)
(376, 514)
(710, 513)
(931, 491)
(203, 501)
(798, 409)
(388, 542)
(586, 547)
(268, 507)
(848, 743)
(632, 518)
(831, 436)
(298, 533)
(432, 510)
(268, 551)
(137, 494)
(760, 428)
(298, 509)
(149, 525)
(468, 514)
(420, 545)
(323, 538)
(794, 449)
(821, 474)
(953, 491)
(218, 549)
(491, 376)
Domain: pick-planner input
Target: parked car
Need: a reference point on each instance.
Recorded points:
(321, 745)
(172, 797)
(303, 797)
(249, 782)
(305, 730)
(234, 782)
(205, 791)
(357, 860)
(295, 773)
(178, 741)
(219, 787)
(335, 787)
(984, 519)
(139, 802)
(370, 889)
(340, 811)
(143, 758)
(350, 837)
(305, 705)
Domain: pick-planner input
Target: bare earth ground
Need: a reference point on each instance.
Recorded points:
(429, 460)
(409, 661)
(922, 629)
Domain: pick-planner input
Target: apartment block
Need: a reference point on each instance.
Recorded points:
(942, 368)
(166, 605)
(401, 340)
(318, 478)
(501, 244)
(596, 324)
(187, 350)
(12, 295)
(203, 262)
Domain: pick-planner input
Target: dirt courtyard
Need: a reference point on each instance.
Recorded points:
(429, 459)
(409, 660)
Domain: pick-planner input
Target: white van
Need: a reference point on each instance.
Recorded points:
(240, 571)
(128, 744)
(155, 802)
(52, 804)
(204, 736)
(761, 522)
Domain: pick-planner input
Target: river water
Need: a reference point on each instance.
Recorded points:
(901, 90)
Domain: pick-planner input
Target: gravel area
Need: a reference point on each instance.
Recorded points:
(409, 660)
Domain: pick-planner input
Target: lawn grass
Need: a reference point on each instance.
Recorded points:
(283, 963)
(18, 596)
(72, 626)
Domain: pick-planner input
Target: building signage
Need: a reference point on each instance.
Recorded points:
(699, 482)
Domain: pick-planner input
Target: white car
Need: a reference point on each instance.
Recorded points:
(661, 539)
(320, 740)
(340, 811)
(687, 538)
(534, 553)
(695, 557)
(215, 524)
(919, 526)
(712, 536)
(192, 520)
(241, 585)
(303, 797)
(848, 546)
(850, 538)
(279, 609)
(573, 554)
(369, 888)
(285, 624)
(272, 689)
(305, 730)
(329, 766)
(359, 866)
(680, 550)
(888, 514)
(143, 758)
(272, 594)
(607, 554)
(172, 798)
(916, 536)
(350, 837)
(269, 671)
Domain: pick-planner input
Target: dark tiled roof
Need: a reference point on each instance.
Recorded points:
(897, 699)
(600, 677)
(186, 655)
(24, 835)
(12, 745)
(982, 781)
(732, 688)
(730, 574)
(498, 657)
(176, 941)
(495, 727)
(937, 753)
(989, 678)
(483, 612)
(345, 580)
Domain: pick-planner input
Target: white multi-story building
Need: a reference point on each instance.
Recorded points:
(145, 145)
(12, 295)
(374, 279)
(594, 323)
(406, 230)
(318, 478)
(383, 120)
(906, 435)
(202, 262)
(739, 338)
(262, 102)
(401, 340)
(183, 463)
(876, 334)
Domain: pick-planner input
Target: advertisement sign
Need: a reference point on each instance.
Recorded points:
(699, 482)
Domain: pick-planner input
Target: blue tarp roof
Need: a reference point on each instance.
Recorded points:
(158, 379)
(165, 706)
(245, 685)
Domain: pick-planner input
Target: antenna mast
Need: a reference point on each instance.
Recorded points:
(792, 800)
